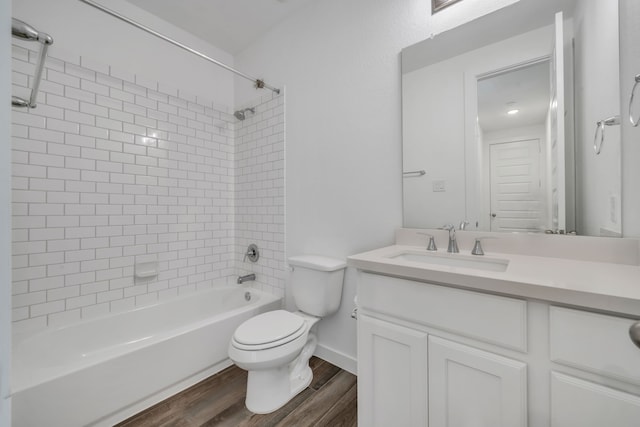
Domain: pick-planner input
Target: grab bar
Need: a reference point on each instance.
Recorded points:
(611, 121)
(418, 172)
(635, 122)
(24, 31)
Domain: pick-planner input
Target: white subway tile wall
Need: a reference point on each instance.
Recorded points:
(113, 169)
(260, 192)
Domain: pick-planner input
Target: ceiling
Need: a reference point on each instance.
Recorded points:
(231, 25)
(526, 89)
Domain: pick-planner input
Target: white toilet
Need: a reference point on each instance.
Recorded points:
(275, 347)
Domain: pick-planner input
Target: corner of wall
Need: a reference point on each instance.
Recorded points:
(259, 191)
(5, 216)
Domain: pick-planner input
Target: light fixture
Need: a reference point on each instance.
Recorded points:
(513, 112)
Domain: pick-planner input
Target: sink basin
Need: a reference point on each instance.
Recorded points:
(454, 260)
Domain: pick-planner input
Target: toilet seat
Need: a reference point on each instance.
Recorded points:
(268, 330)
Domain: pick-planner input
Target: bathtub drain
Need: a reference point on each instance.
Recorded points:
(247, 296)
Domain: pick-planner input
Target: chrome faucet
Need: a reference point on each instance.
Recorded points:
(246, 278)
(453, 244)
(463, 225)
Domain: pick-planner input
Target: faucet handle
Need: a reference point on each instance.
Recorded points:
(252, 253)
(431, 246)
(477, 247)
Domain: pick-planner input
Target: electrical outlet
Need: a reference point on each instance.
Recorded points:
(613, 209)
(439, 186)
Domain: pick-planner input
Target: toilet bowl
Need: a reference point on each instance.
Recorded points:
(275, 347)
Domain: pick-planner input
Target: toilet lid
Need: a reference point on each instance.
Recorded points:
(268, 327)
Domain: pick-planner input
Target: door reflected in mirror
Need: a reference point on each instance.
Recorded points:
(513, 137)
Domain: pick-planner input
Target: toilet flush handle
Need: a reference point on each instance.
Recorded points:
(634, 333)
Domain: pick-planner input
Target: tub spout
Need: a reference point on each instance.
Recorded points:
(246, 278)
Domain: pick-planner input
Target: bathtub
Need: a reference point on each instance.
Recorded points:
(101, 371)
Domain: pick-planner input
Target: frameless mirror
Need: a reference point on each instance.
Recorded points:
(500, 115)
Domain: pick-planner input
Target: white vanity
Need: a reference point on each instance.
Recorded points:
(533, 333)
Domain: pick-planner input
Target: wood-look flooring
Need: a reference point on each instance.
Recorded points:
(330, 400)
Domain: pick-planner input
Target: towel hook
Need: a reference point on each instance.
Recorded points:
(611, 121)
(634, 122)
(417, 173)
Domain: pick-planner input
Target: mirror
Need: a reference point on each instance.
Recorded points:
(530, 171)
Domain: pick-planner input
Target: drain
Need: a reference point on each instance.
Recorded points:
(247, 296)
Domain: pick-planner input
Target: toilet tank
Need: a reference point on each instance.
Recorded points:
(316, 283)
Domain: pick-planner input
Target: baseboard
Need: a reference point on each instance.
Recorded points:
(341, 360)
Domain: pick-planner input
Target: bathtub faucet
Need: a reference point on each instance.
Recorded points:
(246, 278)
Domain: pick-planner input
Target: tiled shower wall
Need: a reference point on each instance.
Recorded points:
(259, 192)
(113, 169)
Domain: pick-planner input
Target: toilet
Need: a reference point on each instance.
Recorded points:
(275, 347)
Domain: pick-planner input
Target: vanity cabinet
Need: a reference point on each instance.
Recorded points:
(438, 356)
(409, 378)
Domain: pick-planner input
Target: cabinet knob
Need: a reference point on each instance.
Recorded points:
(634, 333)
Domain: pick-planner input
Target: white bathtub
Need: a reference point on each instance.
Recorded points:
(104, 370)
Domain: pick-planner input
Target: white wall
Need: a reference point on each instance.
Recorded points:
(340, 63)
(597, 97)
(5, 216)
(435, 92)
(341, 66)
(80, 29)
(449, 18)
(629, 67)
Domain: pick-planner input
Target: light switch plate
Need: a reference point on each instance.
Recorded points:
(439, 186)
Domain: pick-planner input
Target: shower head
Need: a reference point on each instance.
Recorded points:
(242, 114)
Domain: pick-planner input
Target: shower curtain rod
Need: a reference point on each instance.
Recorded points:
(258, 83)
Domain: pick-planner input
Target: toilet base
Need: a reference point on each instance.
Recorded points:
(270, 389)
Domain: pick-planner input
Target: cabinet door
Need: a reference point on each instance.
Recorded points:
(471, 387)
(392, 374)
(580, 403)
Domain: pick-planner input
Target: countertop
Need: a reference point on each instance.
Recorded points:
(603, 286)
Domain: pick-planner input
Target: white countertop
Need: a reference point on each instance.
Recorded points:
(606, 286)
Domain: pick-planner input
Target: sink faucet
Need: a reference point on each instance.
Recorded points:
(453, 244)
(463, 225)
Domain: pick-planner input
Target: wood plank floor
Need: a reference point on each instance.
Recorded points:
(330, 400)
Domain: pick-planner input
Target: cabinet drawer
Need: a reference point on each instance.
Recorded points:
(594, 342)
(575, 402)
(489, 318)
